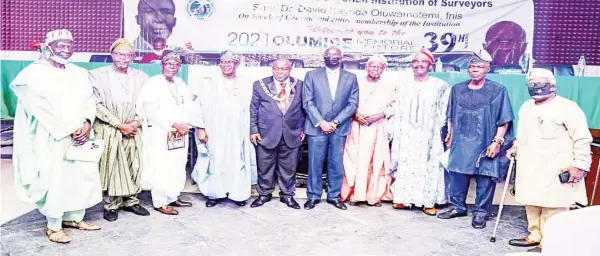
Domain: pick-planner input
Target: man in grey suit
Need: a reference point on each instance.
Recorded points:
(330, 99)
(276, 128)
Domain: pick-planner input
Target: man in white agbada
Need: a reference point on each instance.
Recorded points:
(419, 115)
(226, 166)
(168, 113)
(552, 138)
(55, 111)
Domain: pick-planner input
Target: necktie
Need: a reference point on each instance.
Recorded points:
(282, 91)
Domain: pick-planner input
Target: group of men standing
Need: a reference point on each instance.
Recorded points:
(252, 134)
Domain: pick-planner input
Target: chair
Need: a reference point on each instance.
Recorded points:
(564, 70)
(296, 63)
(101, 58)
(558, 70)
(509, 69)
(447, 67)
(351, 64)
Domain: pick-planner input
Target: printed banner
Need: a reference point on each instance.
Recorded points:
(310, 26)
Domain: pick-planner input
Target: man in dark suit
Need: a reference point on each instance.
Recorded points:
(330, 99)
(276, 128)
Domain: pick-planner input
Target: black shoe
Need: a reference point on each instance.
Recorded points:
(212, 202)
(338, 204)
(290, 202)
(451, 214)
(260, 201)
(354, 203)
(478, 222)
(137, 209)
(111, 215)
(523, 242)
(311, 204)
(239, 203)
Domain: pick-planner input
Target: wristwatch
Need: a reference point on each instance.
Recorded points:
(336, 122)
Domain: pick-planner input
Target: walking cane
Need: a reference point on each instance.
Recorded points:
(508, 176)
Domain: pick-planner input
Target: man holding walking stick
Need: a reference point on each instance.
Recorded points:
(553, 145)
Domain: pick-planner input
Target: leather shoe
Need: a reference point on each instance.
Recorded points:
(212, 202)
(353, 203)
(451, 214)
(111, 215)
(311, 204)
(260, 201)
(523, 242)
(478, 222)
(338, 204)
(180, 203)
(239, 203)
(137, 210)
(168, 210)
(290, 202)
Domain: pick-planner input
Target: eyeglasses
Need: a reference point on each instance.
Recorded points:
(123, 55)
(539, 84)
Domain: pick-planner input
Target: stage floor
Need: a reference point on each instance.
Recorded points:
(272, 229)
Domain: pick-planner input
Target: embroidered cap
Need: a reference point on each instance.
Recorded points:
(59, 34)
(170, 55)
(541, 73)
(425, 52)
(121, 43)
(228, 55)
(378, 58)
(481, 56)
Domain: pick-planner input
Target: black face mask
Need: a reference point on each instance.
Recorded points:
(332, 62)
(539, 89)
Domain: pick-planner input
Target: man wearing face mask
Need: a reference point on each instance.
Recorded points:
(167, 113)
(156, 19)
(55, 111)
(226, 161)
(116, 88)
(419, 115)
(330, 99)
(367, 150)
(159, 46)
(276, 124)
(479, 133)
(552, 138)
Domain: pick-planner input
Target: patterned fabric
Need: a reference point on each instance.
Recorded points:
(475, 116)
(419, 116)
(116, 94)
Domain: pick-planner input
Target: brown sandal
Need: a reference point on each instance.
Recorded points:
(82, 225)
(57, 236)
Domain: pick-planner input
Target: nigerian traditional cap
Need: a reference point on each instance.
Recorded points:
(427, 53)
(59, 34)
(481, 56)
(170, 55)
(121, 43)
(228, 55)
(541, 73)
(378, 58)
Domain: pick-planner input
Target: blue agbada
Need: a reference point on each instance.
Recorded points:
(475, 116)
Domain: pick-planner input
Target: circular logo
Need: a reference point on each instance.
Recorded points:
(200, 9)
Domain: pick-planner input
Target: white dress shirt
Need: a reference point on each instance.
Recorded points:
(288, 86)
(333, 76)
